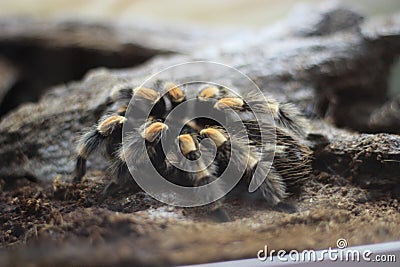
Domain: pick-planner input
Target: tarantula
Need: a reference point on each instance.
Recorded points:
(289, 169)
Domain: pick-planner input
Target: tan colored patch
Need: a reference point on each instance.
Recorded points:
(175, 92)
(105, 126)
(150, 132)
(186, 143)
(273, 106)
(229, 102)
(194, 125)
(208, 92)
(121, 155)
(146, 93)
(122, 109)
(217, 136)
(251, 160)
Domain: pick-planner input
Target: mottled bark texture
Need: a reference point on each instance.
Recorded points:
(329, 60)
(337, 70)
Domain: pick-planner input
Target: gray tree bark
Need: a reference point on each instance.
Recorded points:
(334, 64)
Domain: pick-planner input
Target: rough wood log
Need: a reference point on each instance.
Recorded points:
(321, 71)
(335, 65)
(370, 161)
(47, 53)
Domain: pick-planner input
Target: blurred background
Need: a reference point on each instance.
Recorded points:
(226, 13)
(38, 68)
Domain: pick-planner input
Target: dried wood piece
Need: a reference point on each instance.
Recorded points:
(343, 75)
(371, 161)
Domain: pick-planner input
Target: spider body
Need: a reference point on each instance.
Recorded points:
(163, 136)
(284, 114)
(107, 135)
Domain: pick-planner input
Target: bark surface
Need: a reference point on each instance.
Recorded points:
(334, 65)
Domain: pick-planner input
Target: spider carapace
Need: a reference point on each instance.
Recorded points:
(152, 106)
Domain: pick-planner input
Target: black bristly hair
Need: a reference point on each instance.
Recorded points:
(284, 114)
(105, 136)
(289, 170)
(200, 175)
